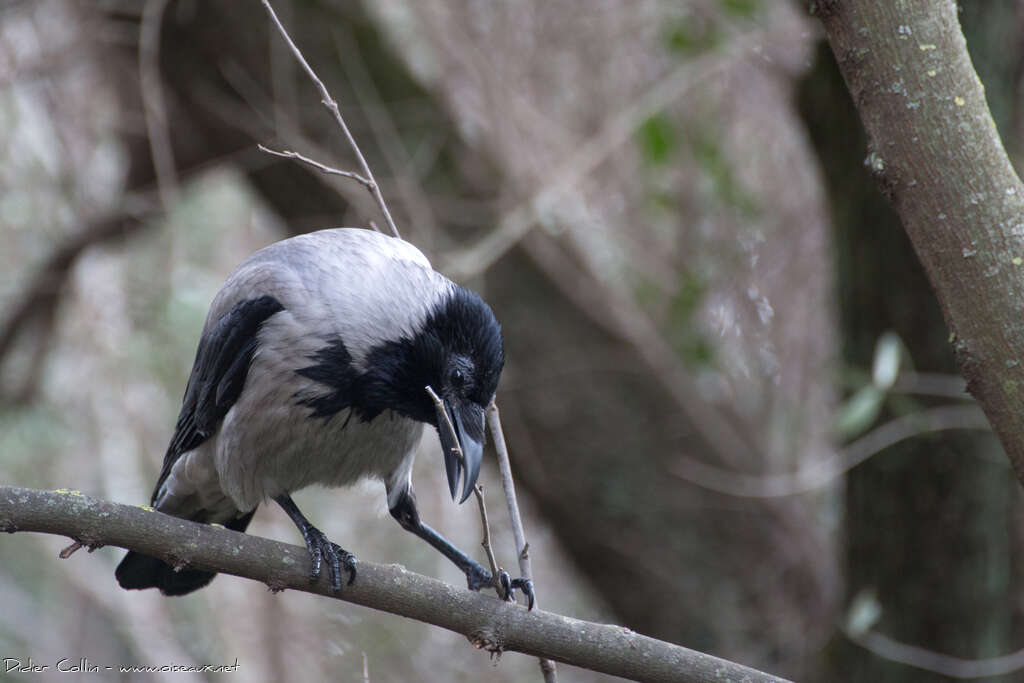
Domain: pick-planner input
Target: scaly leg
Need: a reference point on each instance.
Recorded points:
(477, 577)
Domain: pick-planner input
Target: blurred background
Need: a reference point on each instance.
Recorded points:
(732, 408)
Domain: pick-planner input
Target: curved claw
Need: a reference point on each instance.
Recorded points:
(320, 547)
(478, 577)
(526, 586)
(505, 586)
(338, 556)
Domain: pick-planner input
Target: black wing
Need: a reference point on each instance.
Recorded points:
(218, 375)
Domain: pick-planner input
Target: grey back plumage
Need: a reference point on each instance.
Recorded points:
(360, 285)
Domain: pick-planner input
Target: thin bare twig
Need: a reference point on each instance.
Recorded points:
(547, 666)
(332, 106)
(288, 154)
(505, 467)
(439, 404)
(486, 542)
(821, 474)
(254, 121)
(70, 550)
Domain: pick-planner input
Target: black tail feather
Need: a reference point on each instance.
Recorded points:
(138, 571)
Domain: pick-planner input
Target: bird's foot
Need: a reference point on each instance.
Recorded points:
(477, 577)
(321, 548)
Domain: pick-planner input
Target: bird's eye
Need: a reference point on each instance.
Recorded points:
(458, 378)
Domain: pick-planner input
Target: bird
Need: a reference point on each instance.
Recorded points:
(312, 368)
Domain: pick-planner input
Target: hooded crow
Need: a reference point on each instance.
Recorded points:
(312, 368)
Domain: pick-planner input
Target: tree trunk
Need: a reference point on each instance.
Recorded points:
(937, 156)
(930, 522)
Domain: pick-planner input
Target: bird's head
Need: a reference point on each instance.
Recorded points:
(458, 353)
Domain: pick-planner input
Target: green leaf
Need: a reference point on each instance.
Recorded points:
(860, 412)
(657, 139)
(686, 298)
(709, 156)
(740, 8)
(689, 37)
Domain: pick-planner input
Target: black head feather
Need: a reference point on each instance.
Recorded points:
(457, 351)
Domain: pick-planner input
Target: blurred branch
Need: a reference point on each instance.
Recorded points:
(620, 315)
(547, 666)
(154, 108)
(932, 384)
(616, 131)
(825, 472)
(382, 125)
(332, 106)
(936, 662)
(488, 623)
(40, 298)
(936, 154)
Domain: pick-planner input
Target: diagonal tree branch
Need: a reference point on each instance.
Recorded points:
(488, 623)
(937, 156)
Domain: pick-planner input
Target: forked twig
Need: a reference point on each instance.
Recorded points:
(367, 178)
(288, 154)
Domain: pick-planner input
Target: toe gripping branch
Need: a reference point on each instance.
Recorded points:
(320, 548)
(477, 577)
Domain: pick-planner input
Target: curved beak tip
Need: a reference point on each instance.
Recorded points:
(472, 450)
(472, 453)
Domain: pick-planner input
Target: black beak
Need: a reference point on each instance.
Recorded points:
(469, 429)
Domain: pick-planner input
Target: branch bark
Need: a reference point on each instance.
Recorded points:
(937, 156)
(488, 623)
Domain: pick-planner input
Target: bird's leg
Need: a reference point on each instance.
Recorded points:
(320, 547)
(477, 577)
